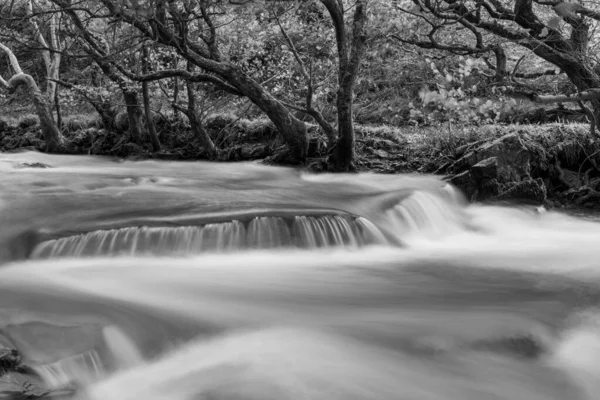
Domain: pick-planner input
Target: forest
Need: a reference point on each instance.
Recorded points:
(501, 97)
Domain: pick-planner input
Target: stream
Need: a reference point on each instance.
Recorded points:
(156, 280)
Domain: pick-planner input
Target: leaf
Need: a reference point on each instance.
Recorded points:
(544, 32)
(565, 9)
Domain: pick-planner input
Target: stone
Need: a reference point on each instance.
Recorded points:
(531, 190)
(511, 158)
(486, 169)
(32, 165)
(465, 182)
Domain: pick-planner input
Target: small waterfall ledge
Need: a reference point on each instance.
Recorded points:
(307, 232)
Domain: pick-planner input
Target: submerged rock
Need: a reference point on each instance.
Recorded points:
(32, 165)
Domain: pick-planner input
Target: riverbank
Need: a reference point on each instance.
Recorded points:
(552, 164)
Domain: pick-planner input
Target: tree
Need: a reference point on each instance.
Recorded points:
(172, 26)
(54, 140)
(146, 96)
(51, 49)
(350, 46)
(556, 32)
(99, 51)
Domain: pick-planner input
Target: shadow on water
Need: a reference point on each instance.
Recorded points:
(185, 281)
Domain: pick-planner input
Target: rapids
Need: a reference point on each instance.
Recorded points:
(184, 281)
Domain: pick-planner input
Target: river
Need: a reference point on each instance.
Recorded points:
(187, 280)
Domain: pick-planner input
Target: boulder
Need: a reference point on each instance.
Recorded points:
(531, 190)
(465, 182)
(486, 169)
(509, 157)
(484, 172)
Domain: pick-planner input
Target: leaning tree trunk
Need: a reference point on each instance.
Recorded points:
(291, 128)
(55, 142)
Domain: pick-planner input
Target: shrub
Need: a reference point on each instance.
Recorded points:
(27, 121)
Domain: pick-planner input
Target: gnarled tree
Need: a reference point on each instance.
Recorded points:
(189, 29)
(55, 142)
(557, 32)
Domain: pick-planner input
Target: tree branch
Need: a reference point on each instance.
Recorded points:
(13, 60)
(591, 94)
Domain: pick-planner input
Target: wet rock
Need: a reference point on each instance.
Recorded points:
(532, 190)
(486, 169)
(520, 346)
(465, 182)
(484, 172)
(510, 155)
(32, 165)
(10, 361)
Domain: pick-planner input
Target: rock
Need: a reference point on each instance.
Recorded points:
(465, 182)
(532, 190)
(32, 165)
(10, 360)
(511, 158)
(486, 169)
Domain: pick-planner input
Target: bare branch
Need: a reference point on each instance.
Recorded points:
(591, 94)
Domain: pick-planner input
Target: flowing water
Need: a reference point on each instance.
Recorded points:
(187, 281)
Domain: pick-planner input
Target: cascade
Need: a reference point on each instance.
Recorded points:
(183, 281)
(262, 232)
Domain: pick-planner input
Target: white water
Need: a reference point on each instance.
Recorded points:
(328, 287)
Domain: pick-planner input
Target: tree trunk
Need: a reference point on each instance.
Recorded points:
(134, 114)
(55, 142)
(291, 128)
(146, 96)
(349, 55)
(57, 108)
(343, 154)
(196, 124)
(175, 89)
(585, 78)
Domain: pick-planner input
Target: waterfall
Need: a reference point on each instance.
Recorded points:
(82, 368)
(428, 214)
(258, 233)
